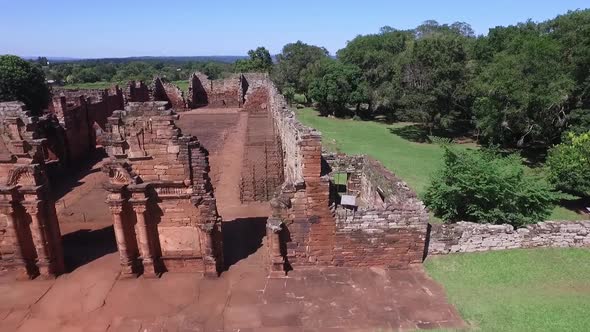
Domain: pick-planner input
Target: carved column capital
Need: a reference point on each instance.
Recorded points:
(139, 205)
(115, 205)
(32, 207)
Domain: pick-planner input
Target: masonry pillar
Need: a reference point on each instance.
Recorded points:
(126, 257)
(277, 261)
(39, 232)
(144, 238)
(207, 233)
(12, 249)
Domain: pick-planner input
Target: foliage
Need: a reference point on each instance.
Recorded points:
(569, 165)
(112, 71)
(289, 93)
(23, 81)
(519, 86)
(292, 63)
(517, 290)
(481, 186)
(523, 90)
(259, 61)
(431, 82)
(440, 140)
(335, 86)
(418, 75)
(579, 121)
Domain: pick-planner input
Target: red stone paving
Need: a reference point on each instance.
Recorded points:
(242, 299)
(91, 298)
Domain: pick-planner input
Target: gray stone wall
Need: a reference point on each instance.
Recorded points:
(472, 237)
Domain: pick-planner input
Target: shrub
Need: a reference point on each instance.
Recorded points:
(569, 165)
(481, 186)
(440, 140)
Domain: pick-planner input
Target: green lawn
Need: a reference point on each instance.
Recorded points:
(413, 162)
(94, 85)
(183, 85)
(518, 290)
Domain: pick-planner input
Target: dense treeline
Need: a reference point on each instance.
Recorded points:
(518, 86)
(90, 71)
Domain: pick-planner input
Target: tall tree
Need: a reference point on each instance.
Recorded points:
(523, 88)
(292, 61)
(335, 86)
(432, 79)
(259, 61)
(20, 80)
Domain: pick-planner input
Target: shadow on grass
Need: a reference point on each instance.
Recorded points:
(415, 133)
(578, 205)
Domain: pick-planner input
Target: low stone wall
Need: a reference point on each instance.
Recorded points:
(472, 237)
(393, 237)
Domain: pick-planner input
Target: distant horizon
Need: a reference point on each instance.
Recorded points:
(76, 30)
(65, 58)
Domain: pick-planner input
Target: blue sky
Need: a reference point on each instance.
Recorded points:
(109, 28)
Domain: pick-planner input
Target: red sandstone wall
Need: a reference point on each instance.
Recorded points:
(79, 137)
(176, 168)
(215, 93)
(137, 92)
(165, 91)
(82, 113)
(386, 232)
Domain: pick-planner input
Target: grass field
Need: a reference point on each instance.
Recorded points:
(183, 85)
(94, 85)
(518, 290)
(413, 162)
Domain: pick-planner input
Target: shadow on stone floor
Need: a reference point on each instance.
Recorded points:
(241, 238)
(84, 246)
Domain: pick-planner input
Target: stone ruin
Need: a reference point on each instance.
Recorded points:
(386, 227)
(326, 209)
(30, 239)
(160, 194)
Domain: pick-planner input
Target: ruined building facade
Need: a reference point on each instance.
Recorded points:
(30, 239)
(160, 195)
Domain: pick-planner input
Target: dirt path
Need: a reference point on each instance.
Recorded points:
(223, 132)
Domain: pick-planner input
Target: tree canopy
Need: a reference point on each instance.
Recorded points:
(23, 81)
(292, 63)
(259, 61)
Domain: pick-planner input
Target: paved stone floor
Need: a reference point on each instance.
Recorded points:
(325, 299)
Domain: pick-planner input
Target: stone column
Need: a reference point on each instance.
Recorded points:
(40, 238)
(144, 240)
(277, 261)
(12, 245)
(127, 261)
(207, 231)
